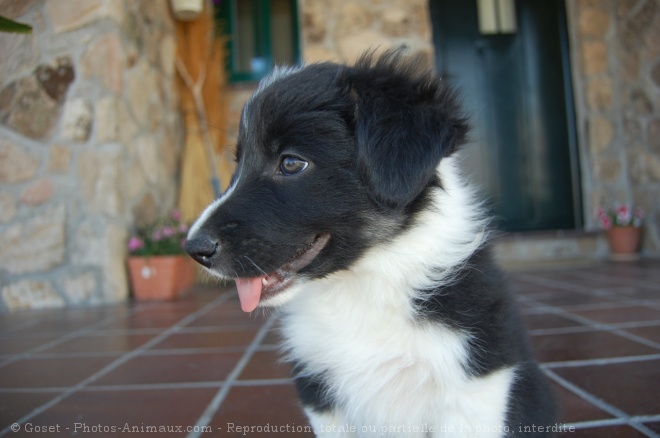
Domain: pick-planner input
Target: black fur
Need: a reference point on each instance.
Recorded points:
(372, 135)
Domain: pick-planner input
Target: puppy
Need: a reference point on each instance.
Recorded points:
(347, 210)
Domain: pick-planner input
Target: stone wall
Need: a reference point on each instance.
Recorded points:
(89, 144)
(341, 31)
(616, 71)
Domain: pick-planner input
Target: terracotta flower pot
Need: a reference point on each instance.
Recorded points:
(625, 242)
(160, 277)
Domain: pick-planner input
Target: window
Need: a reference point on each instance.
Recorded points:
(262, 34)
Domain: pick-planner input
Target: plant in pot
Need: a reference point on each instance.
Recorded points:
(623, 227)
(159, 268)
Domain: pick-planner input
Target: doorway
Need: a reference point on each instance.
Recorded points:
(516, 88)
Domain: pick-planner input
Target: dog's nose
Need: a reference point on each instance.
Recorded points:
(202, 248)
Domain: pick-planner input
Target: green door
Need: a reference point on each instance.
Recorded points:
(516, 89)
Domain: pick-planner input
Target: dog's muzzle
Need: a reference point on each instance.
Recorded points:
(202, 248)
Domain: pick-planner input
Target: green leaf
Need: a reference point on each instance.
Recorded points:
(7, 25)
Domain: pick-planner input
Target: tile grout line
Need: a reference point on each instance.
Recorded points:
(120, 361)
(615, 300)
(213, 406)
(638, 281)
(600, 361)
(576, 389)
(153, 386)
(582, 328)
(159, 352)
(66, 337)
(595, 324)
(612, 410)
(605, 422)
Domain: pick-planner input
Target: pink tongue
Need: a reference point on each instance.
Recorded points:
(249, 292)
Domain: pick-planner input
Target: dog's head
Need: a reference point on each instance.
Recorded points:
(330, 160)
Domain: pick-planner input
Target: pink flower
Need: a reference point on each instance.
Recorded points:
(176, 215)
(623, 215)
(135, 243)
(605, 222)
(183, 228)
(157, 235)
(168, 232)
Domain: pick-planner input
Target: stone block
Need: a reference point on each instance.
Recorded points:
(167, 55)
(594, 57)
(655, 74)
(147, 149)
(106, 120)
(396, 22)
(629, 66)
(79, 289)
(141, 89)
(317, 53)
(27, 108)
(599, 94)
(654, 135)
(315, 20)
(644, 167)
(36, 244)
(59, 159)
(353, 17)
(146, 210)
(78, 13)
(7, 207)
(352, 46)
(639, 101)
(87, 248)
(38, 193)
(129, 127)
(633, 27)
(99, 175)
(653, 40)
(114, 285)
(18, 53)
(30, 294)
(593, 22)
(601, 133)
(56, 79)
(607, 168)
(77, 120)
(632, 130)
(104, 61)
(16, 164)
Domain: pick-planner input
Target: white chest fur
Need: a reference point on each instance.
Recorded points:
(390, 375)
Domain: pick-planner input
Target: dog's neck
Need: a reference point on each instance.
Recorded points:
(441, 239)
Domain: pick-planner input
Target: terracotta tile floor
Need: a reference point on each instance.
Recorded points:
(201, 363)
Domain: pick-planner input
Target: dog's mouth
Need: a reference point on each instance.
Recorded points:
(253, 290)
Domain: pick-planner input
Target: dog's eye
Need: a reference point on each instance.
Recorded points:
(292, 165)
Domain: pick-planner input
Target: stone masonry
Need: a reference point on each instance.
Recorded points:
(616, 73)
(90, 138)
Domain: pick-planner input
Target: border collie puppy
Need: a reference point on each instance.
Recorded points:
(348, 212)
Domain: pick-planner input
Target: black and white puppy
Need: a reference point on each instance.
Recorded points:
(347, 210)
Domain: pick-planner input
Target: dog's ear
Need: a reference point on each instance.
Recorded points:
(405, 122)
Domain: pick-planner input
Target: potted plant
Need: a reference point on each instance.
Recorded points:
(158, 267)
(623, 226)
